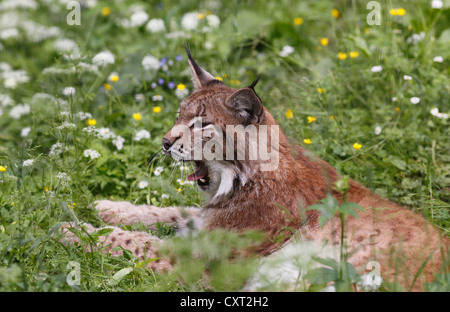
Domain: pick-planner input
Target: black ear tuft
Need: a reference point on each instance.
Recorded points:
(200, 77)
(246, 105)
(252, 86)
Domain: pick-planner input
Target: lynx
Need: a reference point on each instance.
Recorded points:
(242, 196)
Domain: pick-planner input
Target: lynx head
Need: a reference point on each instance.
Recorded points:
(202, 132)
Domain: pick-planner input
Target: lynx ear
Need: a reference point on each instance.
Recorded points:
(200, 77)
(247, 105)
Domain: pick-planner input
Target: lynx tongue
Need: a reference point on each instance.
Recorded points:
(200, 173)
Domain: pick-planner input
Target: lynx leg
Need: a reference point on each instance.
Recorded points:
(142, 245)
(125, 213)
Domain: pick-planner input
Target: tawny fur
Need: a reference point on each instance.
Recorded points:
(275, 203)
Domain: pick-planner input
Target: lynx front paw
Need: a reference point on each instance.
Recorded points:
(142, 245)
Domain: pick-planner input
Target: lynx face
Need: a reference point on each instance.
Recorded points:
(200, 133)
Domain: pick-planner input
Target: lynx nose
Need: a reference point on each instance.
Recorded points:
(166, 143)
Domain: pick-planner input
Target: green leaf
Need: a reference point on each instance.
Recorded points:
(102, 232)
(321, 276)
(119, 276)
(143, 263)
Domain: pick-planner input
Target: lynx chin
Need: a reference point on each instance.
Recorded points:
(255, 179)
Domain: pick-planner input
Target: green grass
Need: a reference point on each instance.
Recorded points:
(408, 162)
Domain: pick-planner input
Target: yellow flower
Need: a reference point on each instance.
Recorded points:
(106, 11)
(137, 116)
(366, 30)
(201, 16)
(311, 119)
(331, 117)
(107, 86)
(289, 114)
(342, 56)
(399, 12)
(156, 109)
(181, 86)
(320, 90)
(298, 21)
(219, 78)
(397, 109)
(335, 13)
(357, 146)
(114, 78)
(324, 41)
(3, 168)
(307, 141)
(354, 54)
(92, 122)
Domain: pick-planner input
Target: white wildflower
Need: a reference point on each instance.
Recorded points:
(414, 100)
(139, 97)
(142, 134)
(438, 59)
(181, 94)
(28, 162)
(377, 130)
(406, 77)
(157, 97)
(93, 154)
(394, 99)
(20, 109)
(85, 67)
(36, 32)
(150, 62)
(105, 133)
(91, 130)
(118, 142)
(9, 33)
(376, 69)
(56, 149)
(9, 5)
(434, 111)
(415, 38)
(442, 115)
(287, 50)
(213, 20)
(138, 19)
(14, 77)
(63, 177)
(370, 282)
(164, 196)
(68, 91)
(24, 132)
(66, 125)
(104, 58)
(65, 45)
(155, 25)
(158, 171)
(190, 21)
(181, 182)
(143, 184)
(208, 45)
(83, 115)
(437, 4)
(183, 167)
(177, 34)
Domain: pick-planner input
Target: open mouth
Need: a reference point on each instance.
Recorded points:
(200, 175)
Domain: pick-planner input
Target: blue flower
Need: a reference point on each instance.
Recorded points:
(160, 81)
(171, 85)
(179, 57)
